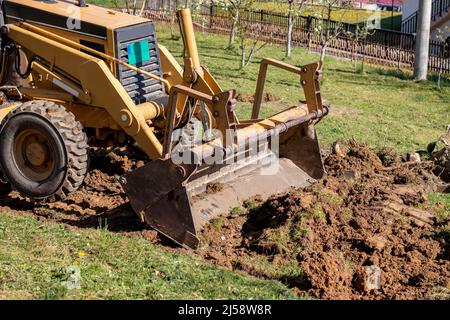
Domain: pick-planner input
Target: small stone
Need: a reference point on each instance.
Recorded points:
(351, 174)
(223, 238)
(339, 150)
(368, 278)
(373, 280)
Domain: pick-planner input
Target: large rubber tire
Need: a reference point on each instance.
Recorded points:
(67, 147)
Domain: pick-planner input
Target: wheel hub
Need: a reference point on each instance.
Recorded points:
(33, 155)
(36, 153)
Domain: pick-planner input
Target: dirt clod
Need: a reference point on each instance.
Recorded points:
(364, 232)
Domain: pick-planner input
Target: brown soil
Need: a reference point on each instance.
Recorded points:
(324, 241)
(99, 202)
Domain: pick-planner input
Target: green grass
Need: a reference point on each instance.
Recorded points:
(440, 203)
(344, 15)
(34, 257)
(382, 107)
(108, 3)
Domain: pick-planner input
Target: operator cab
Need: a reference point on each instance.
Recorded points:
(131, 39)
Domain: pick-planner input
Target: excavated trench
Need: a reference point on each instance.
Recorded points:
(367, 231)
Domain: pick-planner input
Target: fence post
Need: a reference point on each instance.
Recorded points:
(211, 13)
(309, 26)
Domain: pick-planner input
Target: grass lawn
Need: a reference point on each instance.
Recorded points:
(108, 3)
(34, 257)
(345, 15)
(382, 107)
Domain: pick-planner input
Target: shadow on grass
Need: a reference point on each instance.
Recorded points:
(395, 73)
(357, 80)
(121, 219)
(402, 75)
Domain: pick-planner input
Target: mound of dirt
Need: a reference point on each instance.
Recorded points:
(100, 200)
(365, 232)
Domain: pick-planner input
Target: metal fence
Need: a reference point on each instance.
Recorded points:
(438, 9)
(385, 47)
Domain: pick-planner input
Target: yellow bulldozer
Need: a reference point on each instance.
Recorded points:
(74, 75)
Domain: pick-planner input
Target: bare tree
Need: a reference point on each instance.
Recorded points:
(358, 35)
(170, 10)
(248, 47)
(295, 8)
(327, 28)
(443, 37)
(133, 7)
(235, 8)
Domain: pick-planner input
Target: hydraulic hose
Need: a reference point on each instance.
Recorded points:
(17, 63)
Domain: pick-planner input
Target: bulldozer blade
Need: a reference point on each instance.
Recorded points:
(156, 194)
(179, 208)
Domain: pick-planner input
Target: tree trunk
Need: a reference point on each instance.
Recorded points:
(325, 41)
(233, 30)
(252, 51)
(363, 63)
(289, 30)
(242, 56)
(323, 52)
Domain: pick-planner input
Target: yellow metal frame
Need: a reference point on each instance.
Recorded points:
(83, 80)
(309, 80)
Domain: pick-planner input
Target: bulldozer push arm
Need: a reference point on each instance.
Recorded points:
(164, 191)
(96, 74)
(170, 190)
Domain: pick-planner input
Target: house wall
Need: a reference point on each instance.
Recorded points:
(369, 6)
(409, 7)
